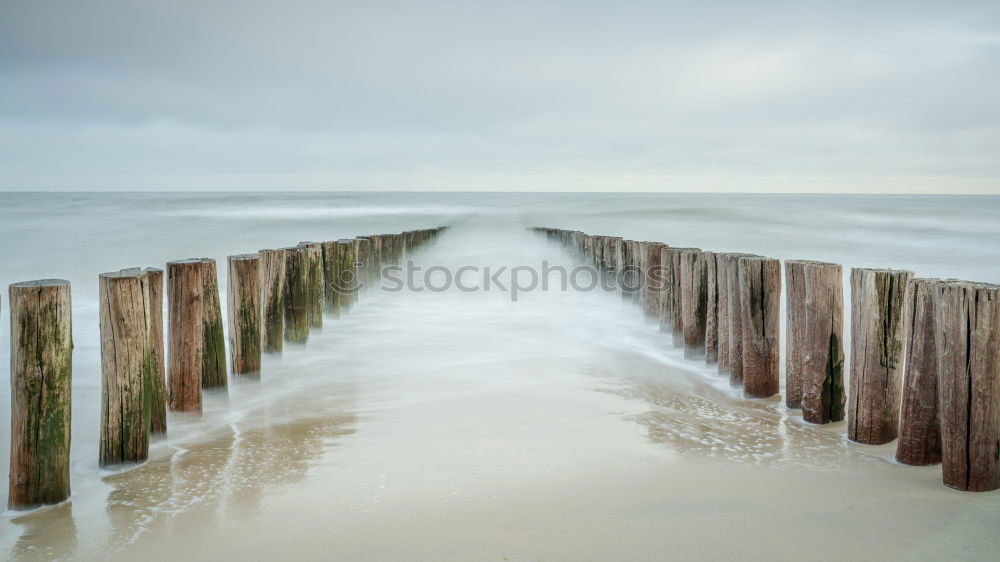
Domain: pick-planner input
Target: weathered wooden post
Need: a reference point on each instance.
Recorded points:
(734, 314)
(795, 330)
(712, 309)
(186, 335)
(296, 295)
(331, 296)
(625, 272)
(348, 281)
(314, 275)
(126, 366)
(878, 304)
(667, 292)
(760, 305)
(967, 320)
(823, 344)
(919, 427)
(362, 265)
(653, 274)
(243, 305)
(272, 300)
(722, 312)
(638, 253)
(611, 257)
(213, 372)
(158, 390)
(369, 253)
(41, 371)
(680, 295)
(694, 305)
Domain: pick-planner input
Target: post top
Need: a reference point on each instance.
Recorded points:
(123, 273)
(190, 260)
(40, 283)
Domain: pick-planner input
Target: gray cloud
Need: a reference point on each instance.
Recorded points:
(520, 95)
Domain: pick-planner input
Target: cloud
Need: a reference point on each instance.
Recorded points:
(396, 94)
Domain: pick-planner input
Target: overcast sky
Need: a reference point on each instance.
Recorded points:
(509, 95)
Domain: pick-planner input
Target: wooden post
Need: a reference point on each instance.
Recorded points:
(348, 278)
(619, 253)
(126, 366)
(653, 274)
(878, 336)
(795, 330)
(186, 336)
(760, 305)
(678, 293)
(667, 292)
(296, 295)
(694, 306)
(243, 305)
(722, 312)
(967, 321)
(625, 271)
(712, 309)
(611, 257)
(213, 371)
(638, 253)
(158, 386)
(919, 427)
(41, 371)
(823, 344)
(369, 256)
(734, 313)
(373, 264)
(362, 266)
(272, 300)
(314, 274)
(331, 296)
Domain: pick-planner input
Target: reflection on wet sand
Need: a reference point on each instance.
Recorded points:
(699, 415)
(187, 490)
(49, 534)
(201, 486)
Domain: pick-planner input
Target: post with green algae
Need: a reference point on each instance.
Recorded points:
(296, 295)
(272, 300)
(694, 301)
(127, 365)
(315, 281)
(347, 272)
(41, 365)
(362, 263)
(158, 384)
(243, 305)
(332, 300)
(213, 373)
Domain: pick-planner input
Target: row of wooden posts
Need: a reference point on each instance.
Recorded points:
(274, 296)
(925, 353)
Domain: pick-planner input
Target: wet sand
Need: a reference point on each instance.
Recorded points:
(461, 426)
